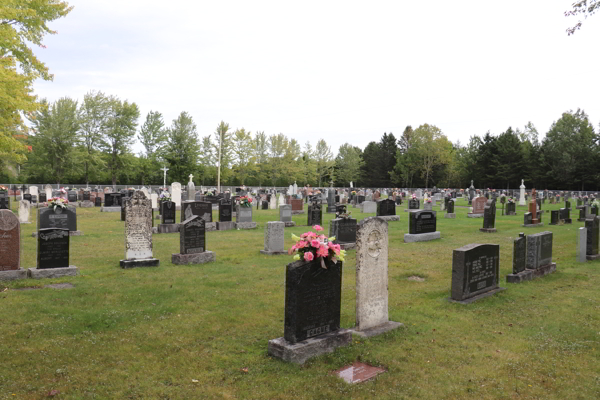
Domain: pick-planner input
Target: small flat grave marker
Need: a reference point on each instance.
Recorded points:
(358, 372)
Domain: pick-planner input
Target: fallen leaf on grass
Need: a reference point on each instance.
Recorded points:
(245, 370)
(195, 380)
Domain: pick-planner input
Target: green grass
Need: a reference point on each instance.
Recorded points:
(151, 333)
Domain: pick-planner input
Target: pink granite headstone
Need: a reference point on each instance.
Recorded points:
(10, 241)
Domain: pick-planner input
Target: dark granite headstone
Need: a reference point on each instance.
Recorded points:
(511, 208)
(539, 250)
(313, 298)
(519, 254)
(592, 225)
(344, 230)
(527, 218)
(43, 198)
(565, 215)
(315, 214)
(167, 212)
(386, 207)
(72, 197)
(203, 209)
(4, 203)
(64, 218)
(53, 248)
(450, 207)
(568, 205)
(86, 196)
(97, 201)
(360, 199)
(554, 217)
(265, 205)
(489, 215)
(192, 237)
(413, 204)
(225, 211)
(422, 222)
(112, 200)
(27, 197)
(475, 270)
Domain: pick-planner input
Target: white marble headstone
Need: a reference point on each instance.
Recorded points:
(48, 190)
(24, 210)
(176, 193)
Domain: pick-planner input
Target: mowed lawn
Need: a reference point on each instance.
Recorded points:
(187, 332)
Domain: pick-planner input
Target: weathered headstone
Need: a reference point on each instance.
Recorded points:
(138, 232)
(475, 272)
(489, 217)
(312, 312)
(10, 247)
(285, 215)
(192, 243)
(274, 238)
(422, 227)
(372, 279)
(24, 211)
(539, 252)
(369, 207)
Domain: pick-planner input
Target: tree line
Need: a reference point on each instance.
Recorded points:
(92, 142)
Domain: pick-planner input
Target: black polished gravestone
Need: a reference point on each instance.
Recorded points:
(592, 226)
(565, 215)
(265, 205)
(475, 272)
(112, 200)
(582, 214)
(489, 217)
(167, 212)
(344, 230)
(422, 222)
(72, 196)
(312, 299)
(554, 217)
(4, 203)
(450, 207)
(86, 196)
(97, 201)
(203, 209)
(53, 248)
(519, 254)
(123, 208)
(225, 211)
(386, 207)
(360, 199)
(63, 218)
(511, 208)
(27, 197)
(315, 214)
(413, 204)
(568, 205)
(192, 239)
(42, 198)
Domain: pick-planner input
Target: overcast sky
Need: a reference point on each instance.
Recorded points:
(343, 71)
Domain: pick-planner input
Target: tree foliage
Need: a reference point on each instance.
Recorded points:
(584, 7)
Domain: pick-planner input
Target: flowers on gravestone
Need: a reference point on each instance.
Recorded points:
(502, 199)
(164, 196)
(63, 190)
(428, 201)
(57, 202)
(511, 200)
(354, 192)
(245, 201)
(311, 245)
(3, 189)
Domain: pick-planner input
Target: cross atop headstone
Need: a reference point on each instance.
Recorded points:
(331, 183)
(164, 169)
(191, 176)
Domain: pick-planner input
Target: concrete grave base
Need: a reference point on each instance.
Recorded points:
(488, 230)
(272, 253)
(35, 273)
(110, 209)
(377, 330)
(246, 225)
(390, 218)
(422, 237)
(471, 215)
(71, 233)
(168, 228)
(210, 226)
(530, 274)
(450, 215)
(13, 274)
(478, 297)
(300, 352)
(592, 257)
(297, 212)
(196, 258)
(225, 226)
(347, 246)
(412, 209)
(86, 204)
(289, 224)
(532, 225)
(142, 262)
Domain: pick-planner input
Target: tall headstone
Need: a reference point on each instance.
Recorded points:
(475, 272)
(24, 211)
(48, 190)
(274, 235)
(10, 247)
(192, 243)
(582, 245)
(450, 209)
(489, 217)
(592, 226)
(191, 189)
(138, 233)
(176, 193)
(372, 278)
(522, 193)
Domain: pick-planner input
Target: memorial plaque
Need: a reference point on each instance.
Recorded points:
(192, 237)
(225, 211)
(138, 227)
(285, 213)
(386, 207)
(65, 218)
(519, 254)
(53, 248)
(10, 241)
(313, 298)
(475, 270)
(344, 230)
(422, 222)
(167, 212)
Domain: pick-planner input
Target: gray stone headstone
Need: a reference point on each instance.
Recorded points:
(539, 250)
(582, 245)
(138, 227)
(369, 207)
(285, 213)
(243, 214)
(475, 270)
(519, 254)
(274, 238)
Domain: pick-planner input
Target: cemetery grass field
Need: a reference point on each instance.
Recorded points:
(201, 331)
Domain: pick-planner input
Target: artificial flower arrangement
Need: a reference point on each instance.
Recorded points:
(164, 196)
(311, 245)
(3, 188)
(511, 200)
(63, 190)
(57, 202)
(209, 193)
(428, 200)
(344, 215)
(354, 192)
(245, 201)
(414, 196)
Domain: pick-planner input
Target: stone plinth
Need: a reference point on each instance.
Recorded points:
(471, 215)
(422, 237)
(532, 225)
(143, 262)
(488, 230)
(110, 209)
(301, 351)
(530, 274)
(35, 273)
(390, 218)
(12, 275)
(196, 258)
(86, 204)
(377, 330)
(71, 233)
(478, 297)
(450, 215)
(246, 225)
(224, 226)
(168, 228)
(272, 253)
